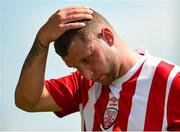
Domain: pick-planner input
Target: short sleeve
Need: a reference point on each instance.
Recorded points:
(173, 108)
(65, 92)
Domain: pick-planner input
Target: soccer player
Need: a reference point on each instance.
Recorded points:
(114, 87)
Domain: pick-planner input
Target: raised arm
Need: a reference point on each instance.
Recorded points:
(30, 94)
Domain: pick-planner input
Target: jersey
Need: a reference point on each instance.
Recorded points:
(147, 97)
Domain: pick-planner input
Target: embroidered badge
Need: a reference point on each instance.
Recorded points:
(110, 116)
(110, 113)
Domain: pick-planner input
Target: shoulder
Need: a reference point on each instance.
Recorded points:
(72, 79)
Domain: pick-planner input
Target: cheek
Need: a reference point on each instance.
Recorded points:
(100, 64)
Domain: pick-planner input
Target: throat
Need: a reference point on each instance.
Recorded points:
(128, 62)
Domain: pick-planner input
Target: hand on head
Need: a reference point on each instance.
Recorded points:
(61, 21)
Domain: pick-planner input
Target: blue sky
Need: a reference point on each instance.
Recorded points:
(151, 24)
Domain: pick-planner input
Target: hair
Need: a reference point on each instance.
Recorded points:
(92, 27)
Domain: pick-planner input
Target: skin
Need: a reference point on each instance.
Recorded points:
(30, 94)
(103, 59)
(85, 58)
(113, 56)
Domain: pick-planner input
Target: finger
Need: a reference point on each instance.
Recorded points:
(79, 11)
(73, 25)
(74, 8)
(77, 17)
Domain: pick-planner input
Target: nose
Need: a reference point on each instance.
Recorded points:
(86, 71)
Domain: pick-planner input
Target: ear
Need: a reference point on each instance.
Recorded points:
(107, 36)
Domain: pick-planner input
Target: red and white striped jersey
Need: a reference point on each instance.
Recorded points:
(145, 98)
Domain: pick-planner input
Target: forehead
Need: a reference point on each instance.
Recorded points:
(77, 50)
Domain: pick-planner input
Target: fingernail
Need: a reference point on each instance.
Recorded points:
(83, 24)
(90, 11)
(90, 16)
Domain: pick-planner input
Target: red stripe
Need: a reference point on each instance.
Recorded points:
(100, 107)
(156, 99)
(84, 126)
(125, 101)
(85, 85)
(173, 106)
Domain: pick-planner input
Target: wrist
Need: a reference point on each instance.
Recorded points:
(42, 39)
(41, 43)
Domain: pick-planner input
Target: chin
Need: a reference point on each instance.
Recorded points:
(107, 79)
(105, 82)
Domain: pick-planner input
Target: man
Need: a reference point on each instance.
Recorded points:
(114, 87)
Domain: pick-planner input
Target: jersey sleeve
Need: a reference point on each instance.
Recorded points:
(173, 106)
(65, 92)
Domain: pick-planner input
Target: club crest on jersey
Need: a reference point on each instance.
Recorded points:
(109, 118)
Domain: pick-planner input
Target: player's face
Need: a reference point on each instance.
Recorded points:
(94, 60)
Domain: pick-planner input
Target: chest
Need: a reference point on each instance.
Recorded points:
(130, 108)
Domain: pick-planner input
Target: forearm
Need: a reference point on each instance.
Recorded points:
(30, 85)
(30, 95)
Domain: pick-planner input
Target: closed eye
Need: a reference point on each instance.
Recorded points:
(87, 59)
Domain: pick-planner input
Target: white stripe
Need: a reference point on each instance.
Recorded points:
(82, 117)
(93, 95)
(173, 73)
(139, 102)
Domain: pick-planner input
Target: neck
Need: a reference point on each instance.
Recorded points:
(129, 59)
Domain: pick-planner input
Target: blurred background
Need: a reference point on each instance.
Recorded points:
(152, 24)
